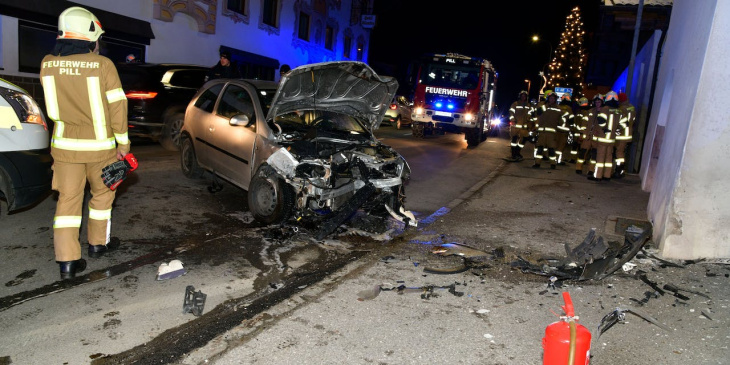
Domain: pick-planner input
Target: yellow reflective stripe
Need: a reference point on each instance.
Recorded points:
(512, 109)
(58, 128)
(623, 138)
(74, 144)
(49, 87)
(100, 214)
(115, 95)
(97, 107)
(67, 221)
(548, 129)
(122, 138)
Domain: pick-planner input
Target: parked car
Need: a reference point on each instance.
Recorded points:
(25, 158)
(399, 112)
(157, 95)
(307, 152)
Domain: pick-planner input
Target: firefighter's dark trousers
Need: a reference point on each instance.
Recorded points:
(69, 179)
(620, 155)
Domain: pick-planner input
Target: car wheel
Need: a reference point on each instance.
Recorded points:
(270, 199)
(170, 138)
(188, 160)
(398, 123)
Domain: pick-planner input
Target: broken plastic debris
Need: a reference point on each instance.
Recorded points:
(169, 271)
(483, 311)
(628, 266)
(194, 301)
(488, 336)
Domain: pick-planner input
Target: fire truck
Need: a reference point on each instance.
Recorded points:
(454, 93)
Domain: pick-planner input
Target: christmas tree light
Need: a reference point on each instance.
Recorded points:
(566, 67)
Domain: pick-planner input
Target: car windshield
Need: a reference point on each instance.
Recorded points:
(458, 77)
(319, 121)
(266, 96)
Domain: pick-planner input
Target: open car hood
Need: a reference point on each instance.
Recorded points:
(347, 87)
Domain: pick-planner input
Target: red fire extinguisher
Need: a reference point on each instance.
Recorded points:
(566, 342)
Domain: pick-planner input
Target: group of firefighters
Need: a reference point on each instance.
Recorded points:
(595, 135)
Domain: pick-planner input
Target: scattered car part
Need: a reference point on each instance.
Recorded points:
(170, 271)
(619, 315)
(468, 255)
(592, 259)
(427, 291)
(674, 288)
(194, 301)
(706, 312)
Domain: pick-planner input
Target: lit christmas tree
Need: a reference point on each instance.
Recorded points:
(568, 64)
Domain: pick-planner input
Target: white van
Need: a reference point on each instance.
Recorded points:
(25, 159)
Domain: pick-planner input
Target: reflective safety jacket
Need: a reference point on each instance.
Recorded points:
(597, 118)
(520, 115)
(568, 116)
(626, 128)
(84, 98)
(581, 123)
(551, 119)
(607, 134)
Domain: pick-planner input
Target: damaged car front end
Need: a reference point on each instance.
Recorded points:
(323, 117)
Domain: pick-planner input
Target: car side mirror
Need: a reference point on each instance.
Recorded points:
(242, 119)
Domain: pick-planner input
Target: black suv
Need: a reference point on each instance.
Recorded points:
(157, 95)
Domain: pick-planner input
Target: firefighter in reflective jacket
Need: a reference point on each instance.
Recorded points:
(604, 138)
(596, 118)
(580, 126)
(566, 105)
(520, 125)
(84, 97)
(550, 120)
(624, 135)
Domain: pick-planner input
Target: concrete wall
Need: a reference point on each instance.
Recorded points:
(687, 141)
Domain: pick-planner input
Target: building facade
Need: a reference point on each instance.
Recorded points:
(261, 35)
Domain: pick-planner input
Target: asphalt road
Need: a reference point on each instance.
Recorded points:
(118, 312)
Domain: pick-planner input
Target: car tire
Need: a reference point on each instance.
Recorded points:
(189, 161)
(170, 137)
(398, 123)
(270, 199)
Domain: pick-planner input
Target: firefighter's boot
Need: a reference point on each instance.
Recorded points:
(70, 268)
(99, 250)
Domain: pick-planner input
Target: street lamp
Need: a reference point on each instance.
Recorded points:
(535, 39)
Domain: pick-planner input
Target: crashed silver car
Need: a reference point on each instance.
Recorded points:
(313, 156)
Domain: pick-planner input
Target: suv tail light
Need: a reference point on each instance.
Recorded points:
(393, 106)
(140, 94)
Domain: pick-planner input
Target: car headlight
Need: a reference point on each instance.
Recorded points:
(24, 106)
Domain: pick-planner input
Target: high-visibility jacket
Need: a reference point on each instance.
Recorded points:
(520, 115)
(597, 118)
(551, 119)
(85, 99)
(625, 132)
(607, 134)
(581, 123)
(568, 117)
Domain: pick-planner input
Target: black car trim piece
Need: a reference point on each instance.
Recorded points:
(221, 150)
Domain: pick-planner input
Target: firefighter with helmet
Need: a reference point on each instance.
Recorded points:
(596, 118)
(550, 120)
(84, 98)
(604, 138)
(520, 125)
(579, 128)
(563, 134)
(624, 135)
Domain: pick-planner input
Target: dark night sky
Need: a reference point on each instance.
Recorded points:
(501, 33)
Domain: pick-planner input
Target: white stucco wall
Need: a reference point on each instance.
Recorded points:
(689, 203)
(180, 41)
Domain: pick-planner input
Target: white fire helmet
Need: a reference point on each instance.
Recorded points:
(79, 23)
